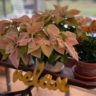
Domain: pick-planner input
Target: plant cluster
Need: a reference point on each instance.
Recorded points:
(40, 37)
(86, 36)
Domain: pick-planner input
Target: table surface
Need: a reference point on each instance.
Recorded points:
(74, 91)
(67, 72)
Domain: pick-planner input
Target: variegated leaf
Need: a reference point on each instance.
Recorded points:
(3, 44)
(59, 50)
(14, 59)
(72, 12)
(32, 47)
(70, 38)
(36, 53)
(52, 30)
(12, 36)
(9, 48)
(23, 39)
(3, 25)
(60, 43)
(71, 51)
(35, 27)
(47, 50)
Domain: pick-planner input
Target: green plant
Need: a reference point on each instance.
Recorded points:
(86, 47)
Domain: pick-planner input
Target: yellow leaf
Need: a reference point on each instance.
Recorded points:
(47, 50)
(59, 50)
(30, 50)
(37, 53)
(32, 47)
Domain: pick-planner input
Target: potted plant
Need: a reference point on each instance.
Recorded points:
(86, 48)
(25, 40)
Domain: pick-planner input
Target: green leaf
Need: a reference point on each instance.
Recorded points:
(22, 54)
(4, 56)
(53, 58)
(25, 59)
(22, 50)
(64, 58)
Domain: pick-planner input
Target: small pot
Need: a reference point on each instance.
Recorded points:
(58, 67)
(85, 71)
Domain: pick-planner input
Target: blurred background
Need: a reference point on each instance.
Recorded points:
(17, 8)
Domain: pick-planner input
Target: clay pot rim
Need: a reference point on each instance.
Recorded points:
(85, 77)
(83, 62)
(85, 74)
(86, 63)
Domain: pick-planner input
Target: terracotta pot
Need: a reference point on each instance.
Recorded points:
(85, 71)
(71, 62)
